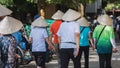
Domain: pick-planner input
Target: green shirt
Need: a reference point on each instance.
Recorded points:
(104, 44)
(49, 21)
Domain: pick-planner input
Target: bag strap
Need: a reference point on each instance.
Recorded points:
(82, 29)
(100, 34)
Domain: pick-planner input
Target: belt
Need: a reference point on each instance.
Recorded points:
(70, 42)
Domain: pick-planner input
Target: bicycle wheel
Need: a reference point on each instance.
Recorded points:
(20, 53)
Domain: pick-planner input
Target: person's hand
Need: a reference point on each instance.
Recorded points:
(115, 50)
(17, 56)
(93, 47)
(76, 52)
(51, 47)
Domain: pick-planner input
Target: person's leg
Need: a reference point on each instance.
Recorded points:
(108, 60)
(40, 58)
(64, 58)
(118, 34)
(9, 65)
(57, 54)
(35, 56)
(101, 60)
(86, 56)
(76, 60)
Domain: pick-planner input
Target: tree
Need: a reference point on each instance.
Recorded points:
(75, 4)
(20, 8)
(23, 5)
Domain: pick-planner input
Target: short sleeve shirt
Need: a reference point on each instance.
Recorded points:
(104, 44)
(84, 36)
(67, 32)
(38, 36)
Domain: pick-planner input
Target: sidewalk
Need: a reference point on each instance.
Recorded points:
(93, 61)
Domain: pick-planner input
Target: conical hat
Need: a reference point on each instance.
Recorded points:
(71, 15)
(4, 11)
(40, 22)
(83, 22)
(10, 25)
(58, 15)
(105, 20)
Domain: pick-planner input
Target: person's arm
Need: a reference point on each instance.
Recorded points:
(51, 47)
(117, 27)
(112, 40)
(59, 39)
(30, 40)
(113, 45)
(77, 39)
(51, 34)
(50, 37)
(91, 40)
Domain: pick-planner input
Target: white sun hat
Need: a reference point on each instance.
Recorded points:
(4, 11)
(58, 15)
(83, 22)
(71, 15)
(105, 20)
(10, 25)
(40, 22)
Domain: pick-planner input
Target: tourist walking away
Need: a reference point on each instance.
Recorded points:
(53, 32)
(3, 12)
(68, 35)
(8, 45)
(38, 36)
(85, 37)
(118, 27)
(104, 39)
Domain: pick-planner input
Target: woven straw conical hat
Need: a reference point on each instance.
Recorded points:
(40, 22)
(105, 20)
(10, 25)
(71, 15)
(4, 11)
(83, 22)
(58, 15)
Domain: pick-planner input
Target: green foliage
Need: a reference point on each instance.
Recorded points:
(65, 2)
(32, 1)
(7, 2)
(111, 6)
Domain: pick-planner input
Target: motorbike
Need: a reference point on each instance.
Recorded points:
(24, 56)
(24, 51)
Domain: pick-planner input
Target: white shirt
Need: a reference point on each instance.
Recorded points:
(38, 36)
(67, 32)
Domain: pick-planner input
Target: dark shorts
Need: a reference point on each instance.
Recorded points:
(40, 58)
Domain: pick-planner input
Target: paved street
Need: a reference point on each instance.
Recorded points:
(93, 61)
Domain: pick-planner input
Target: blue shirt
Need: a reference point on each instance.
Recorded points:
(19, 39)
(36, 16)
(84, 36)
(17, 36)
(38, 36)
